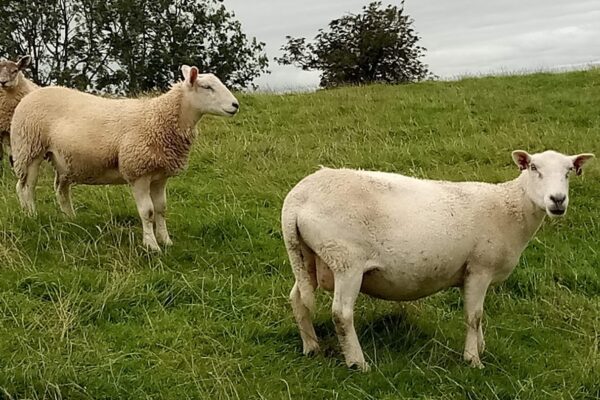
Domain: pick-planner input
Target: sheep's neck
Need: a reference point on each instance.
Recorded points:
(173, 113)
(525, 210)
(188, 118)
(9, 99)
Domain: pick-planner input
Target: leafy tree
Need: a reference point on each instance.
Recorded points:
(149, 40)
(377, 45)
(128, 45)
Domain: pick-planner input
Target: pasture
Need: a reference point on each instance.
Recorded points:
(87, 313)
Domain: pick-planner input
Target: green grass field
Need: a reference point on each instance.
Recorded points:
(87, 313)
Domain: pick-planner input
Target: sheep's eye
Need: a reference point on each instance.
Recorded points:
(533, 167)
(569, 171)
(208, 87)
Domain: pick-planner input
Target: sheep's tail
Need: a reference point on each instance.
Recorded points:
(294, 246)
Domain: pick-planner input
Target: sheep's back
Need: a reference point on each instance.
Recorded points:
(69, 119)
(423, 216)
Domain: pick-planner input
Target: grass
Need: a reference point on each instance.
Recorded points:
(86, 313)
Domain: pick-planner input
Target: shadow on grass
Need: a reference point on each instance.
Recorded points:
(396, 333)
(124, 220)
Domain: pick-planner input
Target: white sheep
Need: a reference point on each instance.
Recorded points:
(13, 87)
(400, 238)
(96, 141)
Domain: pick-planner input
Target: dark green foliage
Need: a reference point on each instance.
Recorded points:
(377, 45)
(128, 45)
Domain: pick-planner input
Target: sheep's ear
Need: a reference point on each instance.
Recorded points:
(522, 159)
(23, 62)
(190, 74)
(579, 160)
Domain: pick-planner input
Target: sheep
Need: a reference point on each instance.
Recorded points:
(13, 87)
(400, 238)
(99, 141)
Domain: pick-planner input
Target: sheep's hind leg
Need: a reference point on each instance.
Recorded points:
(346, 289)
(158, 192)
(26, 186)
(63, 195)
(143, 200)
(474, 290)
(302, 314)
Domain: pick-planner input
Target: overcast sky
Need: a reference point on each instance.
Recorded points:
(461, 36)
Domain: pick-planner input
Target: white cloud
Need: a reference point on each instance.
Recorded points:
(461, 36)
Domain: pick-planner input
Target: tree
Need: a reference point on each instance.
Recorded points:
(377, 45)
(149, 40)
(119, 46)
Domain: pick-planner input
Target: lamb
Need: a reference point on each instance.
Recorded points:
(13, 87)
(399, 238)
(99, 141)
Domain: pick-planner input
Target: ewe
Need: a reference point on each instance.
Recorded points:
(98, 141)
(399, 238)
(13, 87)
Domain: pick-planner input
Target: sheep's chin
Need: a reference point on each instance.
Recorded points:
(230, 113)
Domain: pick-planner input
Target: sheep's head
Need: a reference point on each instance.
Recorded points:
(547, 177)
(10, 72)
(207, 94)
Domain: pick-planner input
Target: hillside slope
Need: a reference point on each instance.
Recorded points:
(87, 313)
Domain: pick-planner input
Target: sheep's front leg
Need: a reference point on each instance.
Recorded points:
(143, 200)
(4, 145)
(346, 289)
(158, 191)
(63, 195)
(474, 290)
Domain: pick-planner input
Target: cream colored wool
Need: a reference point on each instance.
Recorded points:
(95, 140)
(400, 238)
(13, 87)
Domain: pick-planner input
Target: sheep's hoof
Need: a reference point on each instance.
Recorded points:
(362, 366)
(69, 213)
(166, 242)
(311, 349)
(152, 246)
(475, 362)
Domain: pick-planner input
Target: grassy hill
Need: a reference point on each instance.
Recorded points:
(86, 313)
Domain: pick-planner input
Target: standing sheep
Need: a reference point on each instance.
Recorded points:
(13, 87)
(98, 141)
(399, 238)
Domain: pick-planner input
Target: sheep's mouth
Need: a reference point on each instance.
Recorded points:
(232, 113)
(557, 212)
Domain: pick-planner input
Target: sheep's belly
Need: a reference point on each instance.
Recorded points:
(397, 286)
(106, 177)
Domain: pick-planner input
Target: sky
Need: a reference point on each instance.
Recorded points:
(462, 37)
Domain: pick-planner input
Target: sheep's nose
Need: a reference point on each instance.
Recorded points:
(558, 199)
(235, 105)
